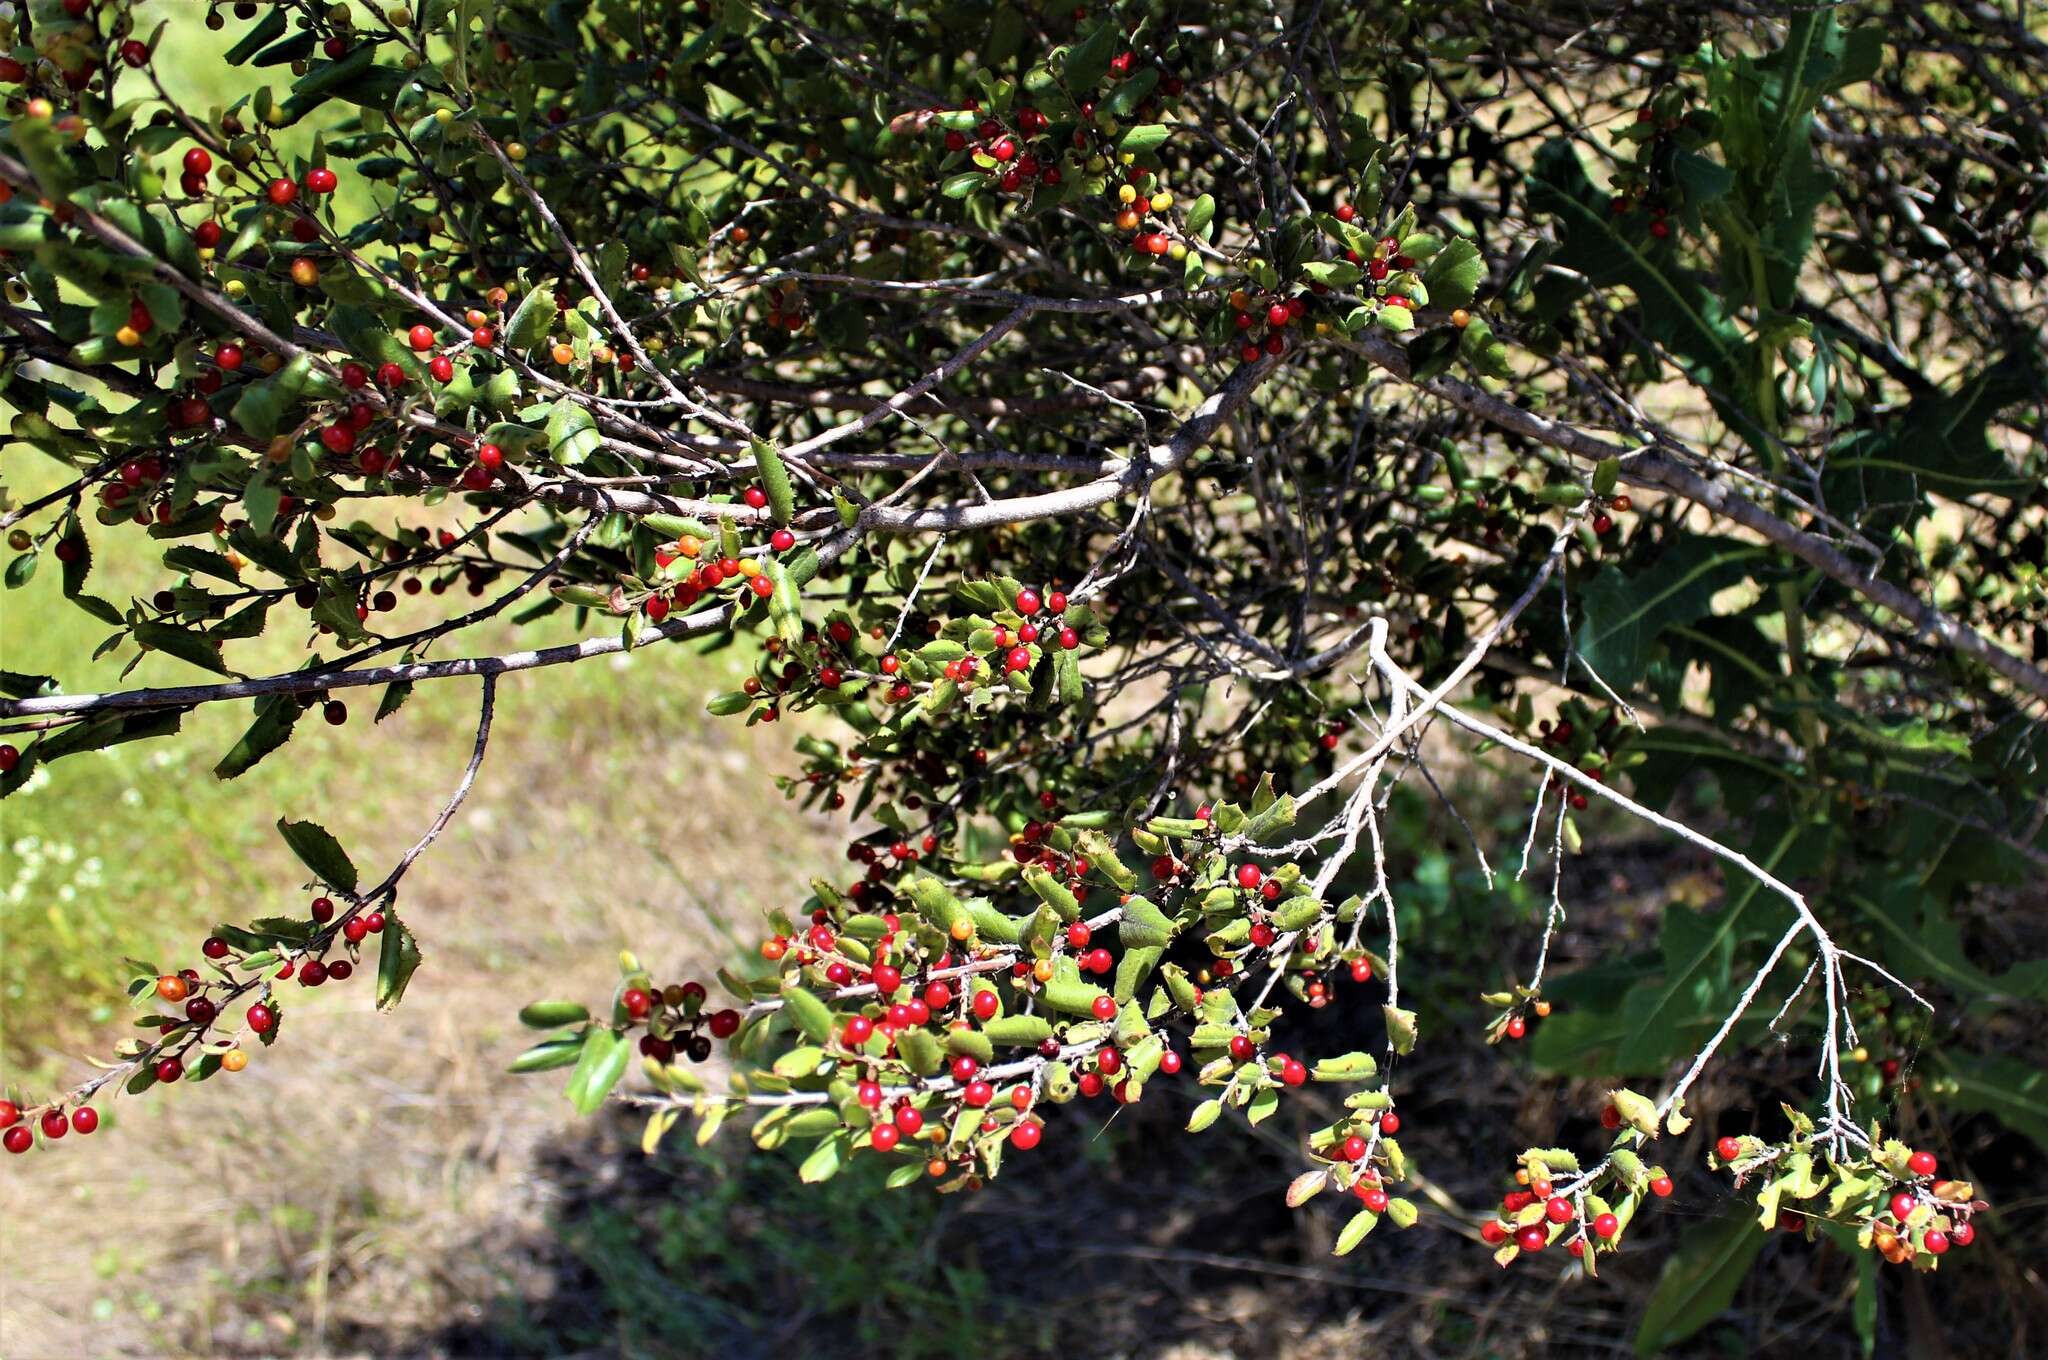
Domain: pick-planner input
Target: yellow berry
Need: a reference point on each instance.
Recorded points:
(1126, 194)
(128, 336)
(234, 1060)
(1161, 201)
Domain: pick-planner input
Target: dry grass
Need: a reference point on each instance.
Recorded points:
(353, 1178)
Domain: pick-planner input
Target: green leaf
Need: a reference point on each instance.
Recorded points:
(320, 852)
(548, 1054)
(1353, 1232)
(275, 717)
(263, 405)
(1088, 61)
(572, 433)
(397, 958)
(598, 1068)
(196, 648)
(1018, 1031)
(2013, 1091)
(1200, 214)
(825, 1159)
(1453, 277)
(774, 480)
(549, 1014)
(1621, 616)
(1142, 138)
(812, 1017)
(1699, 1280)
(532, 319)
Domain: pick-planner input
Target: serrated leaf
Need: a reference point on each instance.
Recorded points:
(398, 958)
(321, 852)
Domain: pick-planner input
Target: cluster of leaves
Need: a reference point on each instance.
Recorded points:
(1285, 353)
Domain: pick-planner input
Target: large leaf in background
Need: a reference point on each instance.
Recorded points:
(1677, 309)
(1939, 442)
(1700, 1279)
(1623, 614)
(1765, 110)
(2016, 1094)
(1672, 1015)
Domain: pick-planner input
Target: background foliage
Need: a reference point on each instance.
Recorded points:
(1788, 266)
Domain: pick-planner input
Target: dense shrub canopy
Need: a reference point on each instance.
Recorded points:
(1174, 468)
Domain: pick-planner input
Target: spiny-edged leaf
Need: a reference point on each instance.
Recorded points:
(1452, 278)
(320, 852)
(1699, 1280)
(398, 957)
(275, 717)
(196, 648)
(263, 405)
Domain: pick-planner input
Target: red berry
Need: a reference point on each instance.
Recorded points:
(636, 1000)
(1962, 1234)
(724, 1024)
(18, 1138)
(1025, 1134)
(420, 337)
(978, 1093)
(1027, 602)
(1661, 1187)
(320, 180)
(1558, 1210)
(1728, 1149)
(1516, 1027)
(868, 1093)
(1390, 1123)
(55, 1125)
(1532, 1238)
(84, 1119)
(261, 1018)
(1104, 1008)
(985, 1005)
(442, 367)
(885, 1137)
(1353, 1148)
(169, 1070)
(1078, 934)
(1249, 875)
(782, 540)
(490, 457)
(1902, 1204)
(1922, 1163)
(282, 191)
(1606, 1226)
(1241, 1047)
(206, 235)
(1936, 1242)
(857, 1031)
(1492, 1233)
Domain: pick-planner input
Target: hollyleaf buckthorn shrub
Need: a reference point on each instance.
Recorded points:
(1119, 445)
